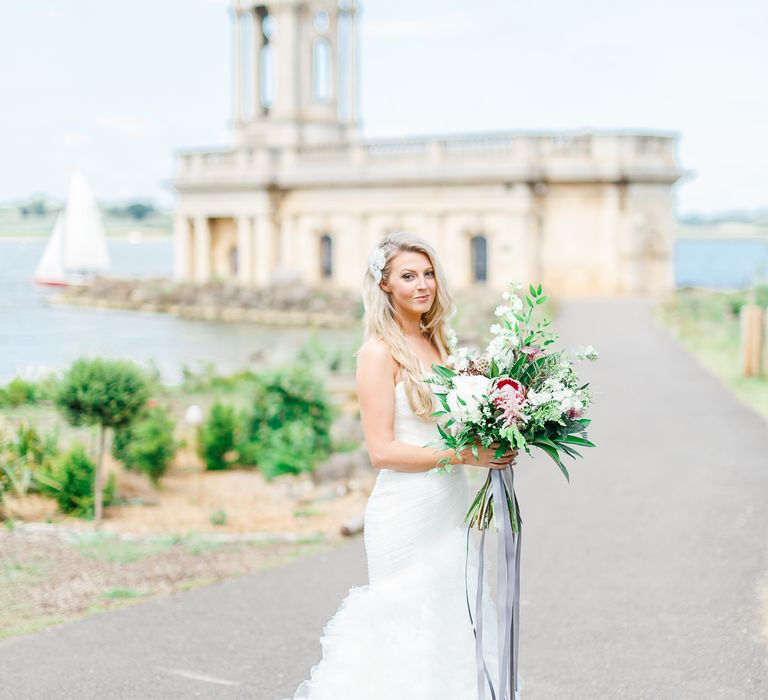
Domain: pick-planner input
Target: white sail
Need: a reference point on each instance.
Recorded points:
(51, 268)
(85, 242)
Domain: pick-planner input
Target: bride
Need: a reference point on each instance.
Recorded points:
(406, 635)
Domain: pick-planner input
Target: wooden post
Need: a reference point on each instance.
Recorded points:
(752, 334)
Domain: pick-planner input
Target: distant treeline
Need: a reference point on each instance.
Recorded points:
(758, 217)
(138, 210)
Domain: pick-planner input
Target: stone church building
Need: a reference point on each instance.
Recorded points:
(300, 195)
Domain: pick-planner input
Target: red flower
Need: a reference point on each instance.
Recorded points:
(513, 385)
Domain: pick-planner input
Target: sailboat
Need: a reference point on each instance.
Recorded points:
(77, 246)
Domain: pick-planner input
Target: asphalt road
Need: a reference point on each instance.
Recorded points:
(642, 578)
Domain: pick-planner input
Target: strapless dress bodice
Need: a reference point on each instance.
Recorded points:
(408, 512)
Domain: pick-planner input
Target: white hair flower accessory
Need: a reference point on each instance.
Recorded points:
(376, 263)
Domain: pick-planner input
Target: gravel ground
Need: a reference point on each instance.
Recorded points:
(49, 576)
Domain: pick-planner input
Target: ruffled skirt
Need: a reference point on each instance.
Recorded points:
(407, 635)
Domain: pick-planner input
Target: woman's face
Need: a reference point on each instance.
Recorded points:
(411, 283)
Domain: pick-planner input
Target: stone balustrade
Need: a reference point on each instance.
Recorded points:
(584, 155)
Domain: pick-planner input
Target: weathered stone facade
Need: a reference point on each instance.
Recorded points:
(301, 195)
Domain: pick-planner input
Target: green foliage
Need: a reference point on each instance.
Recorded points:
(205, 379)
(148, 444)
(72, 486)
(218, 517)
(26, 460)
(102, 391)
(315, 352)
(288, 428)
(217, 437)
(18, 392)
(289, 449)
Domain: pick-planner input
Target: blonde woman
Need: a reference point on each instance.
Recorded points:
(406, 635)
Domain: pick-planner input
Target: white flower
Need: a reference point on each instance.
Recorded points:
(495, 329)
(472, 389)
(517, 304)
(459, 359)
(587, 353)
(501, 310)
(538, 398)
(507, 296)
(450, 336)
(376, 263)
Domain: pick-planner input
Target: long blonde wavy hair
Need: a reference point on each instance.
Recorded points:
(380, 320)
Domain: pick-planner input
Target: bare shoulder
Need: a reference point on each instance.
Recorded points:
(375, 358)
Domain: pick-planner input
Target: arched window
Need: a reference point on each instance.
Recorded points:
(479, 258)
(326, 257)
(267, 83)
(321, 69)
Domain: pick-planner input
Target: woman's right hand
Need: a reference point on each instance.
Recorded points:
(486, 457)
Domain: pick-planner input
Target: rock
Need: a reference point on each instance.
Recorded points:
(340, 465)
(352, 526)
(346, 428)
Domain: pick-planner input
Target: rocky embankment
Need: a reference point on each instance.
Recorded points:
(285, 304)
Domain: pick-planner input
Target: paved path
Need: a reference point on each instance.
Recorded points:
(642, 578)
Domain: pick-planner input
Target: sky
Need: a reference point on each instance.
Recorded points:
(114, 88)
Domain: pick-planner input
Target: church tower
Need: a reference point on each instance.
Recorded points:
(295, 72)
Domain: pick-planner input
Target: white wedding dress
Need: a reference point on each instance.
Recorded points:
(406, 635)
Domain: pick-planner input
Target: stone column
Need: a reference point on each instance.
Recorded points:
(335, 67)
(352, 64)
(244, 251)
(202, 272)
(181, 252)
(237, 110)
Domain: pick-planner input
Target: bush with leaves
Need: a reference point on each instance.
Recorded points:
(217, 437)
(289, 449)
(148, 444)
(73, 477)
(25, 460)
(104, 392)
(288, 429)
(18, 392)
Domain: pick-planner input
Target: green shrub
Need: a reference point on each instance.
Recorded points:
(217, 437)
(73, 476)
(761, 294)
(18, 392)
(288, 428)
(289, 449)
(218, 517)
(25, 461)
(148, 444)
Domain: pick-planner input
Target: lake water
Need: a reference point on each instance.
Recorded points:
(718, 263)
(35, 335)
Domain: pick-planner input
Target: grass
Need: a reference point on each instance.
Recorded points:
(109, 548)
(123, 593)
(707, 323)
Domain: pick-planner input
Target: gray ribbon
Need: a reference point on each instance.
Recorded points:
(502, 483)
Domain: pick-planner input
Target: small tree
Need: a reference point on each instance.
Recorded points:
(108, 393)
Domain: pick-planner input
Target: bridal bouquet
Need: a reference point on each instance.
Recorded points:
(519, 394)
(515, 393)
